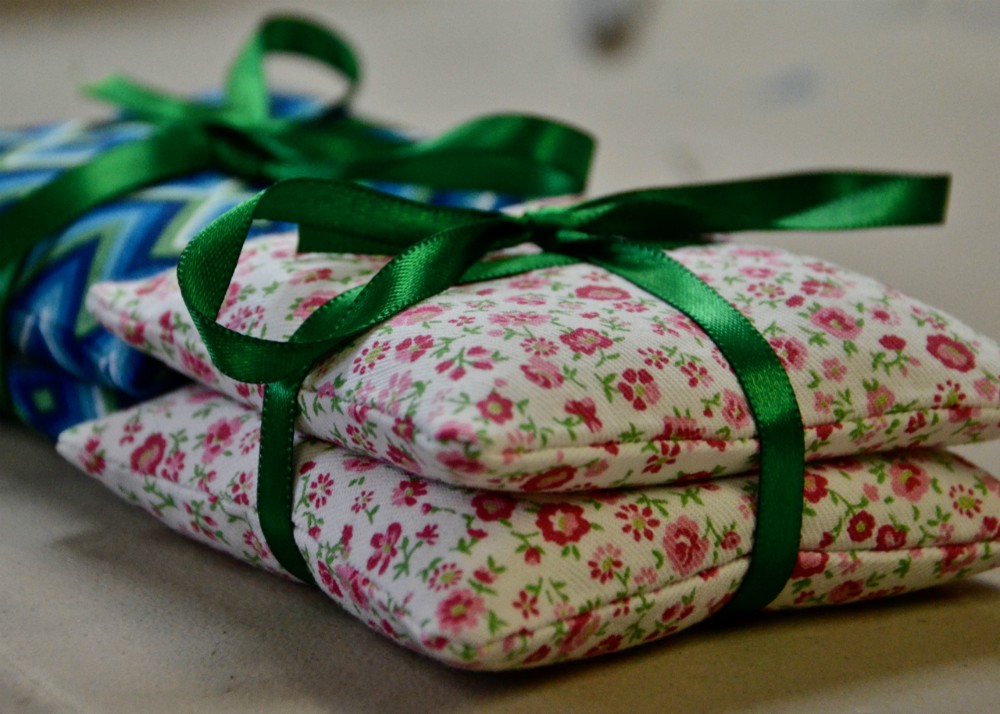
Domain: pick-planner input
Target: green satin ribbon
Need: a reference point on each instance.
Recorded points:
(436, 248)
(508, 153)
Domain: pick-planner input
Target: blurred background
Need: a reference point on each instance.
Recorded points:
(676, 91)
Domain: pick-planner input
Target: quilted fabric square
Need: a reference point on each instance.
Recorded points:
(133, 237)
(571, 378)
(484, 579)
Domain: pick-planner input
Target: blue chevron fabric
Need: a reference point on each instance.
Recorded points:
(70, 368)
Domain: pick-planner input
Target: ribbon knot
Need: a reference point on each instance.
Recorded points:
(513, 154)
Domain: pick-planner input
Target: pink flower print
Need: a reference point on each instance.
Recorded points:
(605, 562)
(320, 490)
(836, 322)
(384, 548)
(134, 333)
(860, 527)
(645, 576)
(696, 374)
(766, 291)
(359, 464)
(601, 292)
(218, 438)
(197, 367)
(456, 431)
(429, 534)
(585, 340)
(551, 480)
(684, 545)
(311, 275)
(492, 506)
(539, 346)
(530, 300)
(639, 387)
(543, 373)
(951, 353)
(957, 557)
(369, 356)
(147, 457)
(581, 629)
(518, 319)
(252, 542)
(893, 343)
(408, 491)
(880, 400)
(402, 458)
(822, 288)
(986, 389)
(810, 563)
(731, 540)
(306, 306)
(92, 457)
(562, 523)
(677, 428)
(403, 428)
(445, 576)
(909, 481)
(652, 357)
(526, 604)
(822, 402)
(413, 348)
(460, 611)
(845, 592)
(886, 317)
(417, 315)
(496, 408)
(965, 501)
(639, 522)
(834, 369)
(358, 583)
(326, 577)
(757, 272)
(172, 466)
(734, 409)
(791, 351)
(890, 538)
(242, 487)
(586, 410)
(460, 463)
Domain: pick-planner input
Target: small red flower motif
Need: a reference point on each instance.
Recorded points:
(562, 523)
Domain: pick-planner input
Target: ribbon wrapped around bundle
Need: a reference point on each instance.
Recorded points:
(56, 240)
(625, 234)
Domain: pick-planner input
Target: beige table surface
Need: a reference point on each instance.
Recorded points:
(706, 90)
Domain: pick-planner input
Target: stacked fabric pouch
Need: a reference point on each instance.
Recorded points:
(547, 461)
(81, 203)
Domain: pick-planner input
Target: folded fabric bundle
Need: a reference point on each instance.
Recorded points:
(572, 378)
(490, 580)
(120, 199)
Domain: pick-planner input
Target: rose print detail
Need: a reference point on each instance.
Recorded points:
(218, 438)
(684, 545)
(562, 523)
(605, 562)
(496, 408)
(460, 611)
(909, 481)
(492, 506)
(951, 353)
(147, 457)
(305, 307)
(585, 340)
(791, 351)
(586, 410)
(735, 410)
(542, 372)
(861, 526)
(413, 348)
(837, 323)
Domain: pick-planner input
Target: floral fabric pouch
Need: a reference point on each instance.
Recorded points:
(491, 580)
(571, 378)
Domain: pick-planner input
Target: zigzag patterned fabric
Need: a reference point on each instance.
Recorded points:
(74, 369)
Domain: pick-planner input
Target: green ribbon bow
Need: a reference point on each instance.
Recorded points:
(516, 154)
(436, 248)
